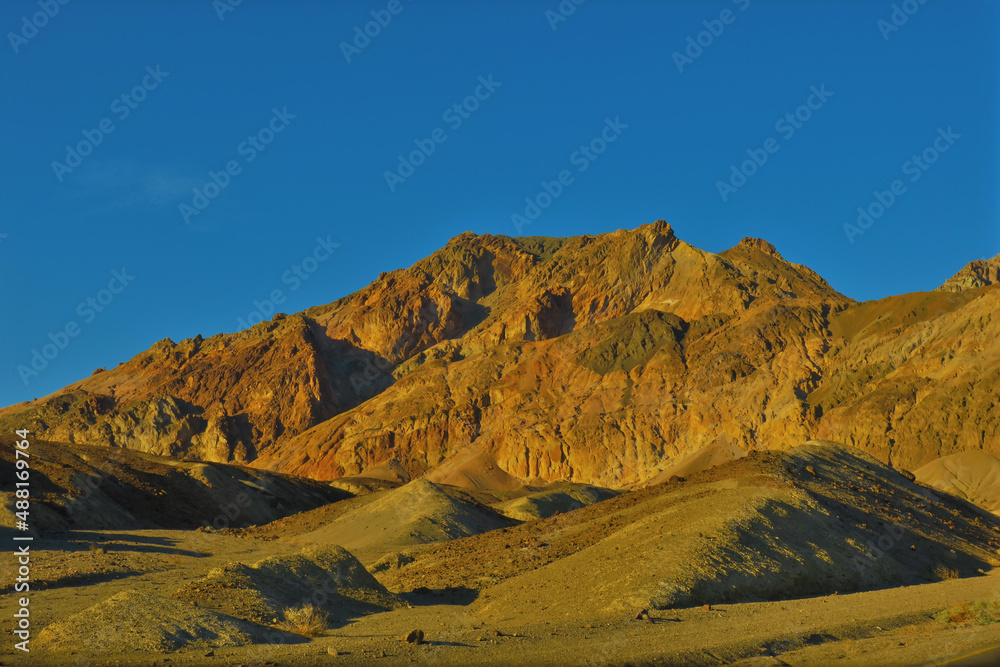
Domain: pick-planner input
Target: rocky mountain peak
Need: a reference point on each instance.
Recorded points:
(603, 358)
(758, 244)
(977, 273)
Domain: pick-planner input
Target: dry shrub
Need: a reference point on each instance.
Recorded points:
(942, 572)
(306, 620)
(981, 612)
(958, 614)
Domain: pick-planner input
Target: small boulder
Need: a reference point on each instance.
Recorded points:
(414, 637)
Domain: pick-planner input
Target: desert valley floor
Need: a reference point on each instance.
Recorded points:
(816, 556)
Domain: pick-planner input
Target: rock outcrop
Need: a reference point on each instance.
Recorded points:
(605, 359)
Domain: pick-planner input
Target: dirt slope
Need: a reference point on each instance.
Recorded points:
(75, 486)
(774, 542)
(414, 514)
(557, 498)
(817, 520)
(328, 577)
(974, 476)
(134, 622)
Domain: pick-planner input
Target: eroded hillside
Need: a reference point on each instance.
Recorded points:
(605, 359)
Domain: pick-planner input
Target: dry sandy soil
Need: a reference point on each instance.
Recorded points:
(817, 556)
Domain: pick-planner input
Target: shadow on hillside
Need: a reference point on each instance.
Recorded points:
(423, 597)
(78, 540)
(85, 579)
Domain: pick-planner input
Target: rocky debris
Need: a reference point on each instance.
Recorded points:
(641, 615)
(414, 637)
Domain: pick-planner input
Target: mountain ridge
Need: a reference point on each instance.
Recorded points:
(600, 359)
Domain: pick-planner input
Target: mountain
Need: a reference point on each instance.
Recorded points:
(607, 359)
(977, 273)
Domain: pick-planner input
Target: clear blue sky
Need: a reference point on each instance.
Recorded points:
(323, 174)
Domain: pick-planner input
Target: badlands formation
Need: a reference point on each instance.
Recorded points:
(613, 449)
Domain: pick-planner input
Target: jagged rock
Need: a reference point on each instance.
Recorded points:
(606, 359)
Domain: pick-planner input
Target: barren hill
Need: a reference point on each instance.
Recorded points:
(819, 519)
(608, 359)
(79, 487)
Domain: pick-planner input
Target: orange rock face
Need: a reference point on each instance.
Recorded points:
(600, 359)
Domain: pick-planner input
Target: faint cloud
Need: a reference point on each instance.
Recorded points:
(128, 183)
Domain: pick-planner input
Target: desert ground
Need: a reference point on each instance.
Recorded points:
(815, 556)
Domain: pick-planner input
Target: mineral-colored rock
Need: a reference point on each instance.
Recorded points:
(600, 359)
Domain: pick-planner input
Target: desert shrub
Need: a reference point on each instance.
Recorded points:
(981, 612)
(942, 572)
(306, 620)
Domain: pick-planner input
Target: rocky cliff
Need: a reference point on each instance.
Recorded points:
(600, 359)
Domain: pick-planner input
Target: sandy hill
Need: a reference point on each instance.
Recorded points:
(555, 499)
(328, 577)
(233, 605)
(498, 362)
(414, 514)
(974, 476)
(131, 622)
(817, 520)
(78, 487)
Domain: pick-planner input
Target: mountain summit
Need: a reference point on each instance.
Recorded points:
(608, 359)
(977, 273)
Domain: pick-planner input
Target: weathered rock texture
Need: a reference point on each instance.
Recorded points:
(603, 359)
